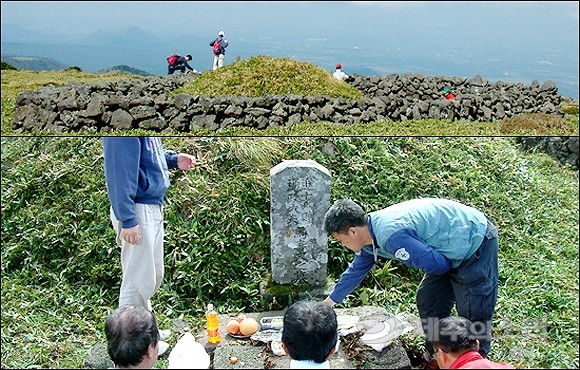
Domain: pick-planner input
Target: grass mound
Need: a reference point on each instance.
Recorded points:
(264, 75)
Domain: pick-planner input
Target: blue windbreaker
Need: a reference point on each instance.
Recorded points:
(182, 60)
(434, 235)
(136, 171)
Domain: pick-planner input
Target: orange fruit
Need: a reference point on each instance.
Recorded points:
(233, 327)
(249, 326)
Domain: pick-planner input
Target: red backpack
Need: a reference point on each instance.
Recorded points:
(217, 50)
(172, 59)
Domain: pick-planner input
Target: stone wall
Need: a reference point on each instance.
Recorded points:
(564, 149)
(143, 103)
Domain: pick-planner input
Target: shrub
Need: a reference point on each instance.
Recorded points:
(74, 68)
(6, 66)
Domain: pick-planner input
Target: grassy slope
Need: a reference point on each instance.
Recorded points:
(15, 82)
(258, 76)
(60, 269)
(261, 75)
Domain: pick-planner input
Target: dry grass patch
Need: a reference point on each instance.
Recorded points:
(534, 124)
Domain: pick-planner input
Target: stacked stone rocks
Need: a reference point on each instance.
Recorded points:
(564, 149)
(417, 97)
(144, 103)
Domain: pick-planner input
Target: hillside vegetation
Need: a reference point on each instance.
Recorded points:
(126, 69)
(16, 81)
(34, 63)
(262, 75)
(61, 270)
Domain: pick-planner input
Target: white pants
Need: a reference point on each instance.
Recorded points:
(142, 264)
(218, 61)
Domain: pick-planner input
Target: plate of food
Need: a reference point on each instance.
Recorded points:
(239, 336)
(242, 327)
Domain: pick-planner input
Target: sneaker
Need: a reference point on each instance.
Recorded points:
(163, 347)
(164, 334)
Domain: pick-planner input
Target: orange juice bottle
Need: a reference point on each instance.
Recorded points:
(212, 325)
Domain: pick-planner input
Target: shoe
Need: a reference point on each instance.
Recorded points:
(164, 334)
(163, 347)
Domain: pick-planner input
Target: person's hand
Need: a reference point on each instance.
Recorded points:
(329, 301)
(131, 235)
(185, 161)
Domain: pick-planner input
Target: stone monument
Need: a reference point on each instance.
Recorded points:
(300, 196)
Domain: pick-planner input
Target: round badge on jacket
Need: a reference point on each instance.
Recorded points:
(402, 254)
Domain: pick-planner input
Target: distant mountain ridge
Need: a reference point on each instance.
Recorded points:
(122, 37)
(93, 51)
(127, 69)
(33, 63)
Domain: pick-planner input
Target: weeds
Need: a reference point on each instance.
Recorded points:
(61, 270)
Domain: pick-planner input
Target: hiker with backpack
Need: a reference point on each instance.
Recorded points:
(219, 46)
(177, 62)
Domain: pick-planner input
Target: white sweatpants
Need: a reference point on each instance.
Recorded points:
(218, 61)
(142, 264)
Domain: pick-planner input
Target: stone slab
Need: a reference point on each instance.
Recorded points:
(258, 355)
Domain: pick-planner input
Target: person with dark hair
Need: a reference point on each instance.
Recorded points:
(455, 245)
(178, 63)
(132, 337)
(310, 335)
(456, 346)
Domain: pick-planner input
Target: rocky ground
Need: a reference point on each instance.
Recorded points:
(236, 353)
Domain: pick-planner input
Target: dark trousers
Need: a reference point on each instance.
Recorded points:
(176, 67)
(472, 287)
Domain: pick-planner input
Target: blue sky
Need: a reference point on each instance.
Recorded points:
(525, 19)
(394, 36)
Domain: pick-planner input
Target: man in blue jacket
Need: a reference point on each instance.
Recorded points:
(137, 177)
(455, 245)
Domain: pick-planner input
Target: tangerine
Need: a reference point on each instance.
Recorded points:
(249, 326)
(233, 327)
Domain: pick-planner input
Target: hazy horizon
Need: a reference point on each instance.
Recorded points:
(511, 41)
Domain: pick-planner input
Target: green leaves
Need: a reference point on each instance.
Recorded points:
(61, 269)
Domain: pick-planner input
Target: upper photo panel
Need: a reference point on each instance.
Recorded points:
(316, 68)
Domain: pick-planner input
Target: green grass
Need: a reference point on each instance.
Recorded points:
(61, 270)
(15, 82)
(262, 76)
